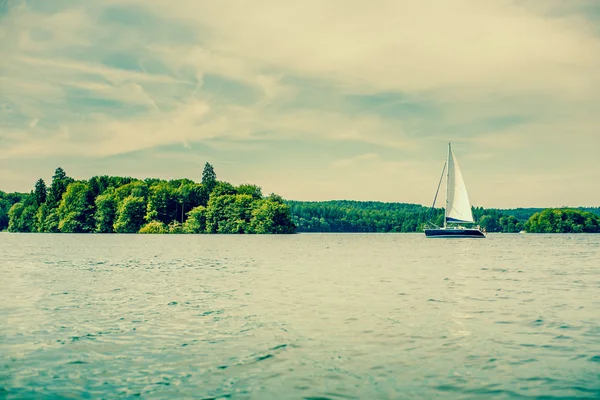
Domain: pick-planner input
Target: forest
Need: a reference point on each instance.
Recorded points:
(107, 204)
(358, 216)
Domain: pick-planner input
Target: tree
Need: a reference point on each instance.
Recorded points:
(130, 215)
(47, 219)
(134, 188)
(154, 227)
(209, 177)
(272, 216)
(5, 205)
(22, 217)
(162, 203)
(76, 210)
(40, 192)
(252, 190)
(222, 189)
(563, 221)
(229, 213)
(60, 181)
(106, 213)
(196, 221)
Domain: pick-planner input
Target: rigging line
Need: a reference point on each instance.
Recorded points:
(438, 188)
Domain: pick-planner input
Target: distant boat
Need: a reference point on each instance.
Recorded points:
(458, 208)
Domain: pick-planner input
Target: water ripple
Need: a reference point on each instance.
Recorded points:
(302, 316)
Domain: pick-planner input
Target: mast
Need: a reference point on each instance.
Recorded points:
(447, 180)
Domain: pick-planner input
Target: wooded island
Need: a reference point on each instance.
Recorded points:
(107, 204)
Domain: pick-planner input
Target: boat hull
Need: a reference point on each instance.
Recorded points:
(454, 233)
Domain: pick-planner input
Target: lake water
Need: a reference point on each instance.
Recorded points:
(331, 316)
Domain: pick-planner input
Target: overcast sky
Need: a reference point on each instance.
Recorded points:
(311, 99)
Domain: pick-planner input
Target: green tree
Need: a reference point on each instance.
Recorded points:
(222, 189)
(252, 190)
(209, 177)
(40, 192)
(229, 213)
(196, 221)
(135, 188)
(5, 205)
(162, 203)
(154, 227)
(489, 223)
(130, 215)
(22, 217)
(60, 181)
(48, 219)
(76, 210)
(106, 213)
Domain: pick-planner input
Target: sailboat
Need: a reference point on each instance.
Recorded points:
(458, 208)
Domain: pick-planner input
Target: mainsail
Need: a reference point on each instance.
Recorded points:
(458, 207)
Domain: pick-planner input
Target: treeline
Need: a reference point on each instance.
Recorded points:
(523, 214)
(361, 216)
(357, 216)
(107, 204)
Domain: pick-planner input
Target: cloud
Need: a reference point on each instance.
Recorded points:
(383, 85)
(361, 158)
(401, 45)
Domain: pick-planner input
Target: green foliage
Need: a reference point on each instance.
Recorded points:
(154, 227)
(251, 190)
(272, 216)
(130, 214)
(106, 212)
(564, 220)
(162, 203)
(60, 181)
(6, 202)
(135, 188)
(222, 189)
(354, 216)
(47, 219)
(40, 192)
(360, 216)
(22, 218)
(209, 177)
(76, 209)
(5, 205)
(192, 195)
(106, 204)
(224, 213)
(175, 227)
(196, 221)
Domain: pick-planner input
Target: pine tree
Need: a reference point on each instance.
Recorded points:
(40, 192)
(209, 177)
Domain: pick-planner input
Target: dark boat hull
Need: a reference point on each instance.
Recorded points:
(454, 233)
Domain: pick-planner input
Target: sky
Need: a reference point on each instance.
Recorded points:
(311, 99)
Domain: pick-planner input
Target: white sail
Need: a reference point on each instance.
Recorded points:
(458, 207)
